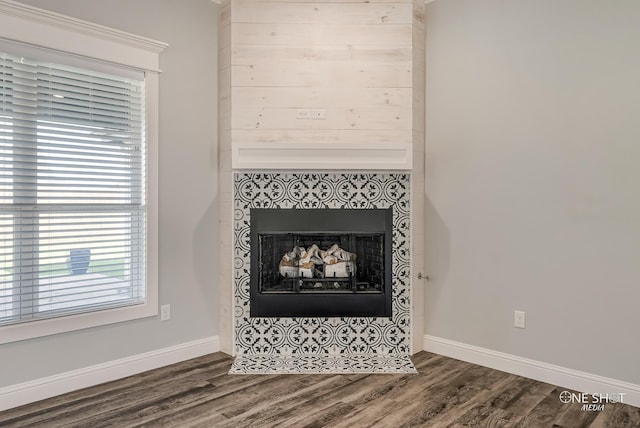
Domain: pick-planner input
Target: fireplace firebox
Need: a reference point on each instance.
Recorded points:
(320, 262)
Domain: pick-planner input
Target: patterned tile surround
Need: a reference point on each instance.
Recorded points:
(322, 345)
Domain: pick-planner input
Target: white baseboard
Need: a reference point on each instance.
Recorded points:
(39, 389)
(532, 369)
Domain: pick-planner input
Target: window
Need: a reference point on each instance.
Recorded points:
(72, 179)
(78, 173)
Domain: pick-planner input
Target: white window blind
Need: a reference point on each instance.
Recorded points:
(72, 190)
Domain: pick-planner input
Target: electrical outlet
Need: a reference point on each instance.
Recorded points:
(165, 312)
(518, 319)
(311, 113)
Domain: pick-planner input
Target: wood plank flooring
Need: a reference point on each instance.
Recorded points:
(200, 393)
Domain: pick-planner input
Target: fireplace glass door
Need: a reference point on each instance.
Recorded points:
(320, 262)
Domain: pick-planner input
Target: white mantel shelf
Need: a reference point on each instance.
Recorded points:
(329, 156)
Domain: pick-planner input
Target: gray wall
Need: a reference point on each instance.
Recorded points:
(188, 219)
(532, 164)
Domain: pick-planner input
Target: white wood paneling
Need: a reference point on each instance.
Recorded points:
(321, 97)
(324, 34)
(249, 54)
(354, 118)
(354, 60)
(253, 11)
(318, 74)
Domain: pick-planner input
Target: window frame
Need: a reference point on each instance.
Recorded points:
(44, 29)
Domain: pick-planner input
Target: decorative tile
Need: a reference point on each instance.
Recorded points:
(268, 338)
(322, 364)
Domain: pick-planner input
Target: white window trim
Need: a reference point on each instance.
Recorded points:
(26, 24)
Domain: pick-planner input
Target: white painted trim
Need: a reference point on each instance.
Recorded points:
(329, 156)
(27, 24)
(39, 389)
(532, 369)
(46, 327)
(231, 267)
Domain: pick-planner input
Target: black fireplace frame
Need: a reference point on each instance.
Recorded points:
(323, 220)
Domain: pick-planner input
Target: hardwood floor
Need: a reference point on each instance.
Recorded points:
(200, 393)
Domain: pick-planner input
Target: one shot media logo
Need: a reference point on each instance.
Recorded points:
(591, 402)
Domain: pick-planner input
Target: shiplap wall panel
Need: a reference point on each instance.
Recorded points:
(325, 73)
(252, 11)
(311, 36)
(353, 60)
(326, 96)
(375, 118)
(249, 54)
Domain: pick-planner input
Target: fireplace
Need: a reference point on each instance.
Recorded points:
(321, 262)
(327, 208)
